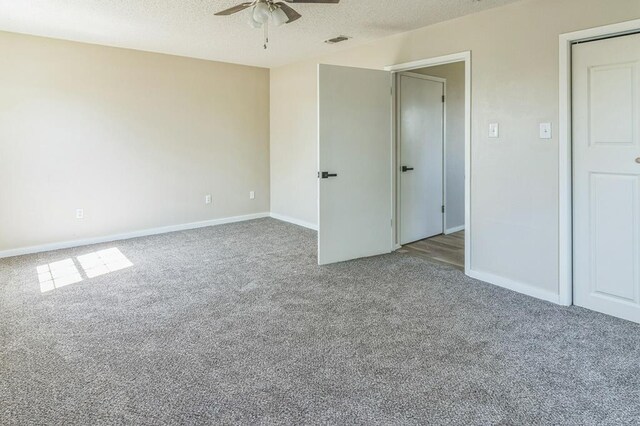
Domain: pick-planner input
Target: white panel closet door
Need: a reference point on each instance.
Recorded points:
(354, 160)
(421, 131)
(606, 176)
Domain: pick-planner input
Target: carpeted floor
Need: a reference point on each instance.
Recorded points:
(236, 324)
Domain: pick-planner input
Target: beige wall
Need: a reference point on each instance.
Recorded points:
(454, 152)
(135, 139)
(294, 155)
(514, 199)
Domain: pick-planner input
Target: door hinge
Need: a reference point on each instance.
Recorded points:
(442, 98)
(442, 209)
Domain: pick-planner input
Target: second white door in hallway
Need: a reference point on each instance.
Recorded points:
(421, 135)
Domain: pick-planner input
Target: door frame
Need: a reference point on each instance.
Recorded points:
(565, 242)
(398, 108)
(464, 57)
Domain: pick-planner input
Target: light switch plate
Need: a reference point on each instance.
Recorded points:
(494, 130)
(545, 131)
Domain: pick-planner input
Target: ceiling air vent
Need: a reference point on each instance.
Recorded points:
(338, 39)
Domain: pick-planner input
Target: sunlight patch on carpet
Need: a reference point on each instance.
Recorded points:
(65, 272)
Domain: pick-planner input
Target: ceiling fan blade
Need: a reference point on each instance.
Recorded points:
(234, 9)
(291, 14)
(313, 1)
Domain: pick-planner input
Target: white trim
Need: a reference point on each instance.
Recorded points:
(318, 183)
(294, 221)
(467, 161)
(516, 286)
(442, 60)
(392, 164)
(128, 235)
(395, 181)
(424, 77)
(565, 244)
(423, 63)
(445, 144)
(454, 230)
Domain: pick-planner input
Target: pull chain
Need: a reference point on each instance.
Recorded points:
(266, 34)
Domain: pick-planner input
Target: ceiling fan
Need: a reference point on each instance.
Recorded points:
(265, 11)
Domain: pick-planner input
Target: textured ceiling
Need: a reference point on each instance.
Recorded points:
(189, 27)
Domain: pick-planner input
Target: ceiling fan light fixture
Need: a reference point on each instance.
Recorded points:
(279, 17)
(261, 13)
(253, 23)
(275, 12)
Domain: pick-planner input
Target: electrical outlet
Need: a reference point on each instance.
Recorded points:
(79, 213)
(252, 195)
(207, 199)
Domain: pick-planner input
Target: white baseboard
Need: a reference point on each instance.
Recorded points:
(516, 286)
(294, 221)
(128, 235)
(482, 276)
(454, 230)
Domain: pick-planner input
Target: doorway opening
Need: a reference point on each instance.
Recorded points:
(430, 135)
(358, 190)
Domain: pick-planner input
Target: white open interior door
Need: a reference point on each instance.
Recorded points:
(421, 135)
(354, 154)
(606, 176)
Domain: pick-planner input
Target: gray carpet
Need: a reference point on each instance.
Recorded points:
(236, 324)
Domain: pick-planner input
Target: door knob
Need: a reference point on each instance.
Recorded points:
(325, 175)
(638, 160)
(406, 169)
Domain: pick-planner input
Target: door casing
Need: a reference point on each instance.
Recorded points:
(464, 57)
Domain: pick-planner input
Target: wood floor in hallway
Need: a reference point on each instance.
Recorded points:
(441, 248)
